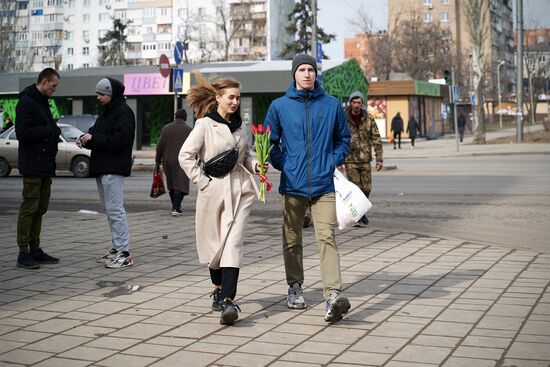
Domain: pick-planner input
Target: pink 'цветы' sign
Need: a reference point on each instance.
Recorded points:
(146, 84)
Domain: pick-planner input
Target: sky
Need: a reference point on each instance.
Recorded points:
(334, 16)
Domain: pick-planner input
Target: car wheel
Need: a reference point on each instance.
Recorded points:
(5, 168)
(81, 167)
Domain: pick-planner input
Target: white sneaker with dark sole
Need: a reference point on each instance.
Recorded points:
(336, 306)
(108, 257)
(120, 261)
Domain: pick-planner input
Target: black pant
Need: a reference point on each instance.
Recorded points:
(227, 278)
(412, 140)
(397, 139)
(176, 197)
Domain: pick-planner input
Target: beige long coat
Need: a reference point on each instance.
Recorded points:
(223, 204)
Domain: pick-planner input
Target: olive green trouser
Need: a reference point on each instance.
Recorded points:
(36, 197)
(323, 210)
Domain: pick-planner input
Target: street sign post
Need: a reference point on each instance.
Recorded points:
(164, 66)
(178, 80)
(319, 57)
(178, 52)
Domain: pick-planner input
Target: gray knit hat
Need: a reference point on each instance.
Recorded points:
(356, 94)
(303, 59)
(104, 87)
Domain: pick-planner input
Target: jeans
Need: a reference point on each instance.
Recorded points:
(36, 198)
(323, 210)
(111, 195)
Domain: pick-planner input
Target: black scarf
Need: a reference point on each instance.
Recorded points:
(234, 122)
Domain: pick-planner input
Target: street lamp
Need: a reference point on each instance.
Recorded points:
(502, 62)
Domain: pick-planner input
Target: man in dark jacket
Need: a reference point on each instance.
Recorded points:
(397, 128)
(412, 128)
(171, 139)
(38, 135)
(310, 139)
(111, 139)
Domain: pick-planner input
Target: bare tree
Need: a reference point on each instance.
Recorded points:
(537, 68)
(229, 23)
(188, 29)
(7, 35)
(477, 27)
(418, 47)
(378, 54)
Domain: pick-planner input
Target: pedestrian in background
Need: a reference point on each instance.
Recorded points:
(397, 128)
(461, 122)
(38, 135)
(412, 128)
(111, 139)
(364, 136)
(171, 139)
(223, 203)
(310, 139)
(8, 122)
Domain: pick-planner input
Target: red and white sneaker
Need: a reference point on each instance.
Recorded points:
(120, 261)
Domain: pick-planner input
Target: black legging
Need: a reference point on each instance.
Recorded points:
(227, 278)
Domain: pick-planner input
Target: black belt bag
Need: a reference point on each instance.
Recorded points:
(222, 163)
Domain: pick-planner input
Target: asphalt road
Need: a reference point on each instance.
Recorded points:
(501, 200)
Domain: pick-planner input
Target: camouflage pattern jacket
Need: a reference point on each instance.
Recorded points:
(363, 138)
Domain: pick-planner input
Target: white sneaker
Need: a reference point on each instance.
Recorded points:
(295, 299)
(120, 261)
(108, 257)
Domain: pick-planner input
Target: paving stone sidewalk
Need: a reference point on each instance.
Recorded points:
(416, 301)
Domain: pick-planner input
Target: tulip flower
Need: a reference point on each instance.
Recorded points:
(263, 148)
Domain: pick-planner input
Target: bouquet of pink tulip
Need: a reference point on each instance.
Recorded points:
(263, 148)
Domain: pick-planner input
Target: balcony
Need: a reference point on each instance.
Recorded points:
(57, 26)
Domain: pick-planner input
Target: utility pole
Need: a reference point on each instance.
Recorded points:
(454, 99)
(502, 62)
(519, 71)
(314, 29)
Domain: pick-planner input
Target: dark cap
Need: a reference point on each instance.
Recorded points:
(303, 59)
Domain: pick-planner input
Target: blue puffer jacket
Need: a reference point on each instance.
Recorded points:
(310, 138)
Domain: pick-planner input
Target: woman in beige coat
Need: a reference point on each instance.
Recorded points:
(223, 203)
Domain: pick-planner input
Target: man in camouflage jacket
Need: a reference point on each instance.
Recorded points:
(364, 135)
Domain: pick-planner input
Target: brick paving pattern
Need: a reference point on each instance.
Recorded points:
(416, 301)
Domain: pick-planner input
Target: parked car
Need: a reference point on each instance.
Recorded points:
(81, 122)
(69, 157)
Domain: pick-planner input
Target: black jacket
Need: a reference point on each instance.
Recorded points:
(37, 132)
(113, 136)
(397, 124)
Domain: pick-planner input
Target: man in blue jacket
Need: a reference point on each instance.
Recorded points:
(310, 139)
(38, 134)
(111, 139)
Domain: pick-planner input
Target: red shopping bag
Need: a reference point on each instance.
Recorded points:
(157, 188)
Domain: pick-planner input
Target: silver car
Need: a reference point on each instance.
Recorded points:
(69, 157)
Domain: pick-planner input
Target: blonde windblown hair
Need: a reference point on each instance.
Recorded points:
(202, 96)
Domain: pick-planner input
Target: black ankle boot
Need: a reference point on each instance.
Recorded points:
(216, 299)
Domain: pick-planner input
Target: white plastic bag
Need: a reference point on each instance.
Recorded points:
(351, 203)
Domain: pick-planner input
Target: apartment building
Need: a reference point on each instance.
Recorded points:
(451, 16)
(64, 34)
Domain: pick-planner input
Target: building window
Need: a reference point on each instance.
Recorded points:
(86, 3)
(85, 50)
(69, 66)
(163, 12)
(103, 17)
(445, 16)
(86, 65)
(446, 34)
(86, 18)
(104, 2)
(202, 12)
(427, 3)
(120, 14)
(149, 12)
(86, 36)
(68, 35)
(445, 2)
(70, 51)
(427, 17)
